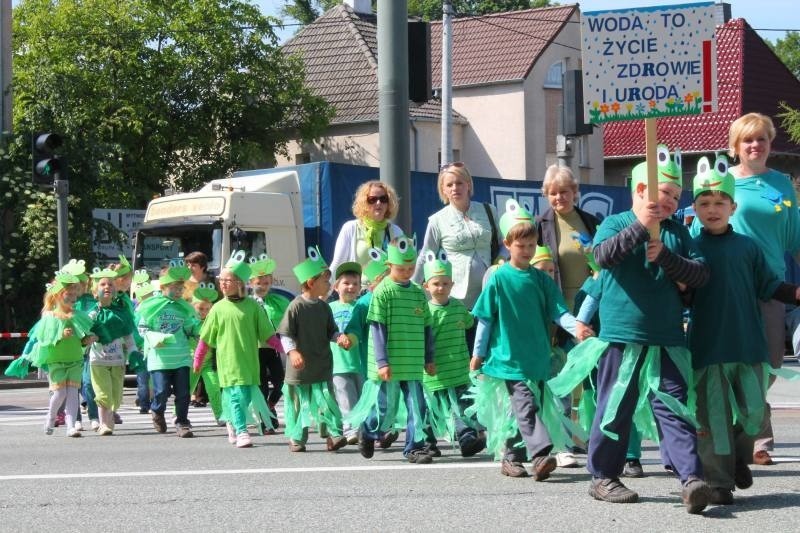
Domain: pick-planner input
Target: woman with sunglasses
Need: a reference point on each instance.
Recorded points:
(464, 230)
(374, 206)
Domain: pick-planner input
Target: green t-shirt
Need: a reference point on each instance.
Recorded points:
(309, 323)
(160, 316)
(640, 304)
(404, 311)
(518, 306)
(449, 323)
(344, 361)
(234, 329)
(359, 327)
(726, 324)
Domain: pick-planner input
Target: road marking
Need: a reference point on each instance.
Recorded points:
(316, 469)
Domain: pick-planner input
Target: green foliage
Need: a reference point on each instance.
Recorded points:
(790, 120)
(306, 11)
(788, 50)
(146, 94)
(432, 9)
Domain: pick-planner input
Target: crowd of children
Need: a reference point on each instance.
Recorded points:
(366, 366)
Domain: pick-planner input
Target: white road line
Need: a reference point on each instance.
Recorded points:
(373, 468)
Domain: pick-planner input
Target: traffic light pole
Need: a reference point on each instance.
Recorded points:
(61, 188)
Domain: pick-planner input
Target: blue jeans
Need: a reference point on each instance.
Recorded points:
(143, 388)
(166, 382)
(88, 391)
(415, 428)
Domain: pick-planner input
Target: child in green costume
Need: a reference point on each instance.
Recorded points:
(203, 297)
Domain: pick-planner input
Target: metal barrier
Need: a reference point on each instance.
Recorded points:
(8, 335)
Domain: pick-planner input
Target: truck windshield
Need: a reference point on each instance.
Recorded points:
(156, 246)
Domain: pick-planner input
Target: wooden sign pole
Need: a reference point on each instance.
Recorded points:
(652, 168)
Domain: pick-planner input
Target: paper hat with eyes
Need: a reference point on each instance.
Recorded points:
(669, 169)
(177, 271)
(542, 253)
(60, 280)
(377, 264)
(312, 267)
(713, 178)
(205, 292)
(238, 264)
(402, 251)
(437, 265)
(141, 276)
(100, 273)
(143, 289)
(124, 266)
(76, 267)
(262, 265)
(515, 214)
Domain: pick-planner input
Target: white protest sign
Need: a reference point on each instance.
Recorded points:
(649, 62)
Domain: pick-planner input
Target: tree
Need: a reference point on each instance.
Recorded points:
(788, 50)
(307, 11)
(148, 94)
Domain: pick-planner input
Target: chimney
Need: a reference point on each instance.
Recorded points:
(722, 13)
(365, 6)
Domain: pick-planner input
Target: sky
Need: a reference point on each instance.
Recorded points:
(762, 15)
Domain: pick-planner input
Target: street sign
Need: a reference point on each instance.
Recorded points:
(649, 62)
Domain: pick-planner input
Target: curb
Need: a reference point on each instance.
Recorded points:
(7, 384)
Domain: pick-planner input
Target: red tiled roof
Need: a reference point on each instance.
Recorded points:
(498, 47)
(750, 77)
(340, 54)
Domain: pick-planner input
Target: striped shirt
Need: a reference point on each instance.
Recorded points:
(452, 358)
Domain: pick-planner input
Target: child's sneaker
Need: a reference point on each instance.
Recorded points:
(72, 432)
(420, 457)
(243, 440)
(742, 476)
(695, 494)
(473, 446)
(633, 468)
(184, 431)
(49, 427)
(352, 439)
(296, 447)
(59, 420)
(721, 496)
(231, 434)
(78, 425)
(335, 443)
(542, 466)
(513, 469)
(366, 447)
(566, 460)
(433, 450)
(104, 431)
(611, 490)
(159, 423)
(94, 424)
(388, 439)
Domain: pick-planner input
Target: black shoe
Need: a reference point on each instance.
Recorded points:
(420, 457)
(366, 447)
(720, 496)
(471, 447)
(143, 410)
(633, 468)
(388, 439)
(432, 450)
(742, 476)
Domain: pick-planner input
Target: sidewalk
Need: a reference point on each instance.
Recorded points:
(14, 383)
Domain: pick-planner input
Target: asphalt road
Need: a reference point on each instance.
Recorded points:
(138, 480)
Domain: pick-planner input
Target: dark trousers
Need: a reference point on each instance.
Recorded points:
(678, 437)
(532, 432)
(271, 372)
(174, 381)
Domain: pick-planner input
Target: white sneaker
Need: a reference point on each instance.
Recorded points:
(78, 425)
(73, 433)
(243, 440)
(105, 431)
(231, 434)
(566, 460)
(95, 424)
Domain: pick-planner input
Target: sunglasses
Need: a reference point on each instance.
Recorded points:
(372, 200)
(457, 164)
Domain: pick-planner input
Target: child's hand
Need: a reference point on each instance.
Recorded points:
(68, 332)
(583, 331)
(430, 369)
(385, 373)
(654, 247)
(475, 363)
(296, 358)
(344, 341)
(647, 212)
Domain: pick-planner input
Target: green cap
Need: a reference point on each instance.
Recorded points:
(312, 267)
(100, 273)
(515, 214)
(177, 271)
(377, 264)
(124, 266)
(143, 289)
(60, 280)
(205, 292)
(238, 265)
(263, 265)
(349, 267)
(542, 253)
(713, 178)
(669, 169)
(402, 251)
(436, 265)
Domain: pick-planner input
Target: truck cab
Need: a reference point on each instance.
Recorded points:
(253, 211)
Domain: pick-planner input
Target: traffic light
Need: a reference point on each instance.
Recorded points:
(47, 166)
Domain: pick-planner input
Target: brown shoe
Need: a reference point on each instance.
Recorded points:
(542, 466)
(720, 496)
(334, 443)
(296, 446)
(159, 423)
(696, 495)
(184, 432)
(761, 457)
(612, 491)
(513, 469)
(388, 439)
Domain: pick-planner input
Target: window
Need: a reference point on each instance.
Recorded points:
(554, 77)
(302, 158)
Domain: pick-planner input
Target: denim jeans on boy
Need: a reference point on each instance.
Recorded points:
(166, 382)
(88, 391)
(413, 395)
(143, 388)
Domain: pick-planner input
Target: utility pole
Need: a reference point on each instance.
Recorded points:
(393, 103)
(447, 82)
(5, 66)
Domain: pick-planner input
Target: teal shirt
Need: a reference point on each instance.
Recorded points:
(640, 304)
(726, 324)
(518, 306)
(174, 317)
(359, 327)
(344, 361)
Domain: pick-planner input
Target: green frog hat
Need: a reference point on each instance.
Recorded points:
(141, 277)
(669, 168)
(60, 280)
(437, 265)
(713, 178)
(76, 267)
(238, 265)
(377, 264)
(205, 292)
(262, 265)
(100, 273)
(542, 253)
(402, 251)
(177, 271)
(124, 266)
(143, 289)
(515, 214)
(313, 266)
